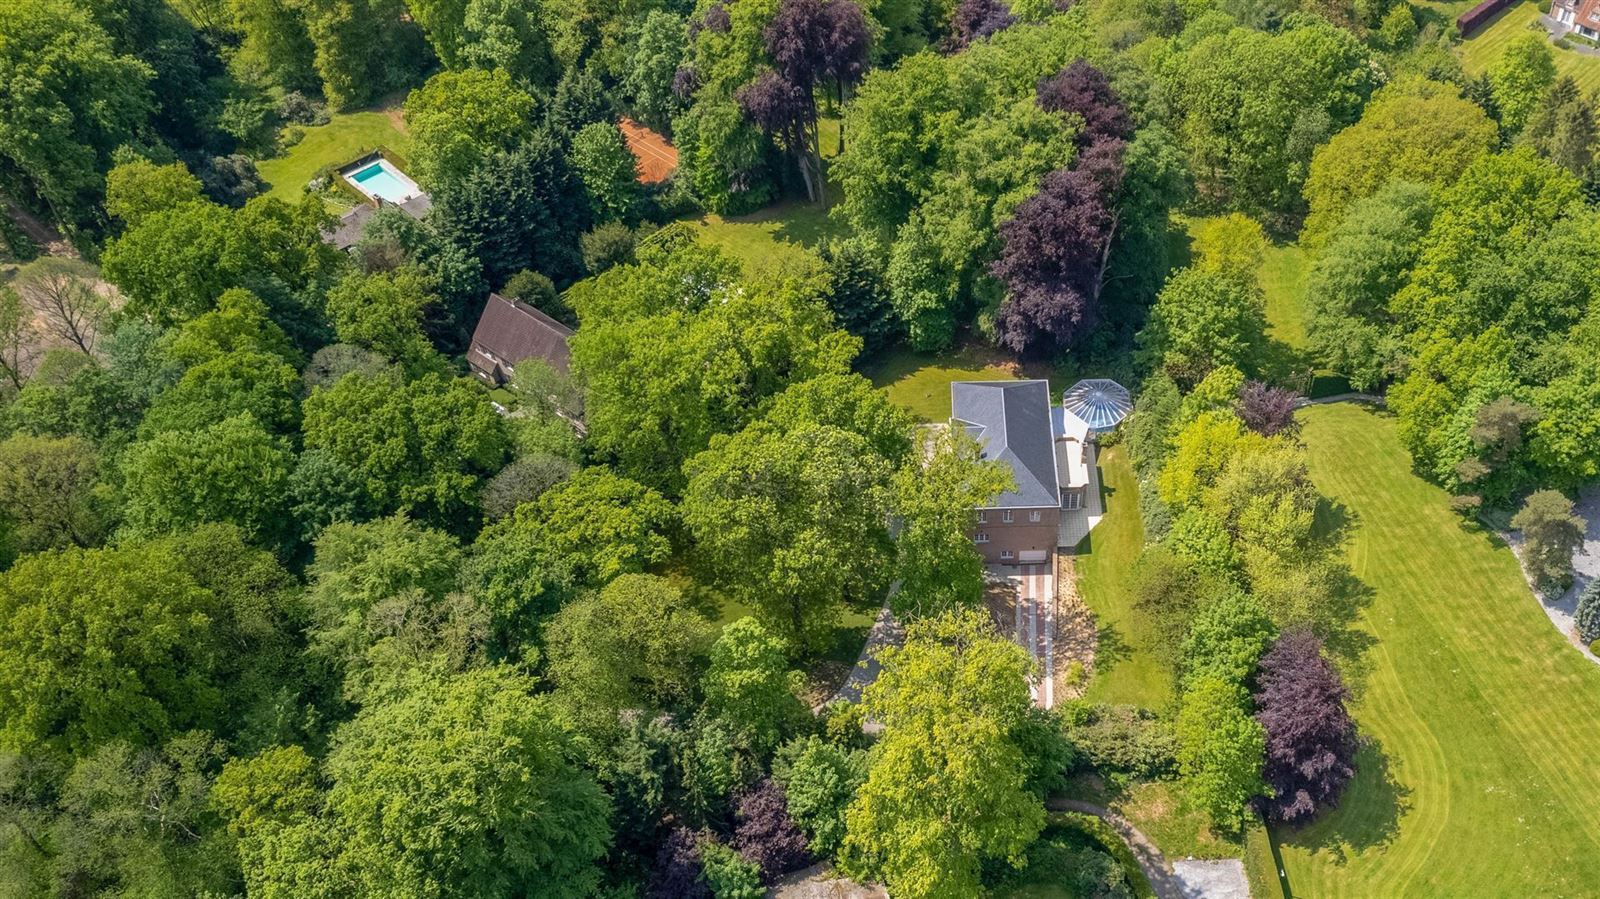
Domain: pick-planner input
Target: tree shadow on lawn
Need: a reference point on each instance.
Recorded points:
(1367, 817)
(1348, 597)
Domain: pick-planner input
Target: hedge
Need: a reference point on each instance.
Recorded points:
(1479, 15)
(1112, 842)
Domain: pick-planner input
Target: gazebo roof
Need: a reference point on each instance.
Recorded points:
(1100, 402)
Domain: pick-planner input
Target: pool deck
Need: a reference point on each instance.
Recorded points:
(407, 192)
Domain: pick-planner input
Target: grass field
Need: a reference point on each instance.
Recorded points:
(1126, 670)
(787, 232)
(920, 382)
(1283, 281)
(1481, 771)
(1484, 47)
(338, 142)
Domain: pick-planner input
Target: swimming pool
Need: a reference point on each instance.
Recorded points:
(384, 181)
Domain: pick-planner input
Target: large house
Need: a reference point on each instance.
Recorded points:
(1582, 15)
(510, 331)
(1051, 453)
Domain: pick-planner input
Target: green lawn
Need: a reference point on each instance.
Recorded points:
(1126, 670)
(1481, 770)
(1283, 281)
(921, 382)
(343, 139)
(786, 232)
(1484, 47)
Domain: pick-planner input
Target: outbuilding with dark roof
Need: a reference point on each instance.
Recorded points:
(510, 331)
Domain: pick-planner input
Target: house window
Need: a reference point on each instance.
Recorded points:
(983, 517)
(1005, 553)
(981, 538)
(1072, 502)
(1034, 515)
(1006, 516)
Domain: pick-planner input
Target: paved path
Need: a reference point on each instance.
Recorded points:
(1585, 568)
(1033, 622)
(886, 631)
(1211, 878)
(1184, 879)
(1151, 861)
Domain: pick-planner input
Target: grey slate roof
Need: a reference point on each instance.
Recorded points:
(1012, 421)
(345, 234)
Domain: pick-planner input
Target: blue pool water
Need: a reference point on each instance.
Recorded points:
(377, 180)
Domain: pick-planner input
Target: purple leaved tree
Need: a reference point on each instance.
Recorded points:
(1311, 741)
(765, 835)
(676, 872)
(1083, 89)
(812, 43)
(977, 19)
(1265, 409)
(1056, 247)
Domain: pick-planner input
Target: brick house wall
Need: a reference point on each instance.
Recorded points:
(1017, 536)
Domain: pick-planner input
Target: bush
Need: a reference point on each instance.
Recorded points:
(1079, 854)
(1120, 739)
(677, 868)
(610, 244)
(728, 875)
(1587, 617)
(539, 292)
(765, 836)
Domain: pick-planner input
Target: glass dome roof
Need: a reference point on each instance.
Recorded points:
(1101, 403)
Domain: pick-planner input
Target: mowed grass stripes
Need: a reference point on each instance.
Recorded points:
(1483, 769)
(1480, 51)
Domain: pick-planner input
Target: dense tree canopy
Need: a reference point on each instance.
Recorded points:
(70, 99)
(795, 522)
(945, 789)
(673, 351)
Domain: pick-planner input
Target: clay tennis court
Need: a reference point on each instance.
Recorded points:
(657, 158)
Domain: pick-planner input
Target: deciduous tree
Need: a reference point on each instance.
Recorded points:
(634, 644)
(71, 99)
(51, 494)
(935, 561)
(795, 523)
(232, 471)
(1311, 741)
(1203, 320)
(1220, 749)
(459, 120)
(1414, 130)
(422, 446)
(945, 791)
(1519, 78)
(609, 172)
(1551, 533)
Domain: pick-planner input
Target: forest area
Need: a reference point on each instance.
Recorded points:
(296, 602)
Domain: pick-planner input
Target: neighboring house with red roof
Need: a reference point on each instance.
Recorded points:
(1582, 15)
(510, 331)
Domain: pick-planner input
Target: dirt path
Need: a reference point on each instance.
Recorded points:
(1076, 634)
(1145, 852)
(47, 239)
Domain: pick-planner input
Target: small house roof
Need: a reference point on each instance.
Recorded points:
(1011, 419)
(345, 234)
(511, 331)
